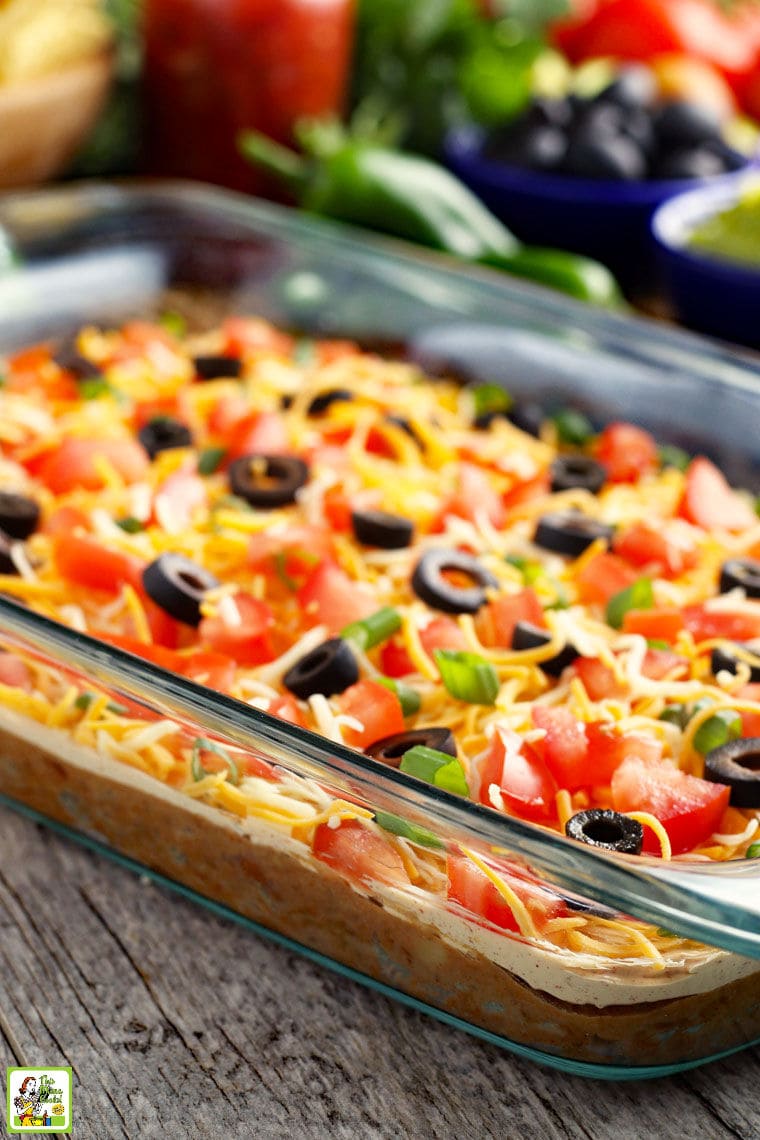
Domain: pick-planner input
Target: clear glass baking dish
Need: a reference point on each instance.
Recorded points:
(102, 253)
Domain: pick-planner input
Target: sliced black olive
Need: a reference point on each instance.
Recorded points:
(328, 669)
(71, 360)
(7, 565)
(162, 433)
(570, 532)
(743, 572)
(606, 829)
(431, 586)
(528, 636)
(569, 471)
(19, 515)
(379, 528)
(218, 367)
(528, 416)
(178, 585)
(391, 749)
(322, 402)
(738, 765)
(722, 659)
(267, 480)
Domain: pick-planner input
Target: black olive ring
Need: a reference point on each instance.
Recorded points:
(267, 481)
(391, 749)
(328, 669)
(577, 471)
(430, 585)
(743, 572)
(608, 830)
(525, 635)
(217, 367)
(722, 659)
(19, 515)
(164, 433)
(178, 585)
(379, 528)
(738, 765)
(570, 532)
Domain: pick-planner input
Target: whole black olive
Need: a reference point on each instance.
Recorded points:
(613, 157)
(680, 124)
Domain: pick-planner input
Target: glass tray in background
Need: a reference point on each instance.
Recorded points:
(99, 254)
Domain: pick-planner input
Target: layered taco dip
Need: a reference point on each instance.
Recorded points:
(553, 621)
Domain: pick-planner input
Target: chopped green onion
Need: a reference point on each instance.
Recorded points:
(671, 456)
(490, 398)
(753, 851)
(398, 826)
(203, 744)
(94, 387)
(409, 698)
(210, 458)
(531, 571)
(437, 768)
(657, 643)
(663, 933)
(129, 524)
(174, 323)
(373, 630)
(638, 596)
(675, 714)
(84, 700)
(304, 353)
(467, 676)
(724, 725)
(573, 427)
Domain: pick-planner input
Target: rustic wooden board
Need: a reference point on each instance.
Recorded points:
(178, 1023)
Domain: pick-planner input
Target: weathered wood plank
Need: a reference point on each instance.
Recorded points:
(179, 1023)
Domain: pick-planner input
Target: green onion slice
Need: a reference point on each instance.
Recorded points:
(491, 398)
(437, 768)
(753, 851)
(202, 744)
(373, 630)
(209, 460)
(85, 699)
(724, 725)
(130, 524)
(671, 456)
(94, 387)
(638, 596)
(573, 427)
(675, 714)
(409, 698)
(398, 826)
(467, 676)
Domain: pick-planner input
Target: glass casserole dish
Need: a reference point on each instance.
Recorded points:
(101, 255)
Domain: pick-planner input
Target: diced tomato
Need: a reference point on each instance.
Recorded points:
(495, 622)
(378, 710)
(177, 500)
(690, 809)
(650, 551)
(164, 630)
(228, 410)
(145, 334)
(603, 576)
(664, 623)
(74, 463)
(659, 663)
(32, 368)
(157, 654)
(14, 672)
(147, 410)
(294, 552)
(442, 633)
(598, 679)
(526, 784)
(286, 708)
(710, 502)
(65, 520)
(83, 559)
(214, 670)
(704, 624)
(475, 497)
(245, 335)
(394, 659)
(329, 597)
(337, 509)
(257, 433)
(750, 720)
(471, 889)
(526, 490)
(608, 748)
(626, 452)
(565, 747)
(248, 641)
(359, 852)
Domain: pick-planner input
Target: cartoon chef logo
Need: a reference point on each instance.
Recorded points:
(39, 1100)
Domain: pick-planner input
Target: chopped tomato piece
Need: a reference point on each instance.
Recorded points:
(394, 659)
(565, 747)
(292, 553)
(329, 597)
(475, 497)
(178, 498)
(32, 368)
(661, 624)
(359, 852)
(603, 576)
(442, 633)
(472, 889)
(65, 520)
(375, 707)
(658, 663)
(652, 553)
(14, 672)
(244, 635)
(704, 624)
(243, 335)
(690, 809)
(257, 433)
(83, 559)
(626, 452)
(608, 748)
(598, 679)
(710, 502)
(73, 463)
(525, 490)
(495, 622)
(286, 708)
(337, 509)
(214, 670)
(527, 787)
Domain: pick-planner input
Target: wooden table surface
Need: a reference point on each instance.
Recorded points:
(179, 1023)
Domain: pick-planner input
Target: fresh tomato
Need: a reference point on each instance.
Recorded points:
(329, 597)
(603, 576)
(244, 335)
(257, 433)
(598, 679)
(495, 622)
(83, 559)
(73, 463)
(286, 708)
(704, 624)
(626, 452)
(565, 746)
(527, 786)
(375, 707)
(292, 553)
(663, 623)
(32, 368)
(214, 670)
(475, 497)
(690, 809)
(442, 633)
(336, 506)
(177, 500)
(659, 663)
(14, 672)
(249, 639)
(65, 520)
(359, 852)
(471, 888)
(646, 548)
(710, 502)
(394, 659)
(608, 748)
(526, 490)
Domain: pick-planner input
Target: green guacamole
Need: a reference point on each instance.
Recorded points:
(733, 235)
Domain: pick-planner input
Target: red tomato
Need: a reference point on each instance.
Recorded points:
(214, 670)
(14, 672)
(73, 463)
(526, 784)
(495, 622)
(690, 809)
(377, 708)
(658, 663)
(604, 576)
(663, 623)
(249, 642)
(329, 597)
(164, 630)
(65, 520)
(294, 552)
(250, 334)
(258, 433)
(527, 490)
(704, 624)
(475, 497)
(710, 502)
(565, 747)
(337, 509)
(359, 852)
(597, 678)
(626, 452)
(442, 633)
(607, 749)
(85, 560)
(473, 890)
(32, 369)
(750, 720)
(394, 659)
(286, 708)
(158, 654)
(648, 550)
(178, 499)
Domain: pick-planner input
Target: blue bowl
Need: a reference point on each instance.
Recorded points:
(710, 294)
(607, 220)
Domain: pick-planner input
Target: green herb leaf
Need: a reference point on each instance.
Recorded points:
(373, 630)
(724, 725)
(209, 459)
(437, 768)
(129, 524)
(638, 596)
(202, 744)
(398, 826)
(573, 427)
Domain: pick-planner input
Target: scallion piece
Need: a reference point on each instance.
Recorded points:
(490, 398)
(573, 427)
(129, 524)
(638, 596)
(209, 460)
(675, 714)
(84, 700)
(437, 768)
(724, 725)
(93, 387)
(467, 676)
(671, 456)
(202, 744)
(373, 630)
(409, 698)
(753, 851)
(398, 826)
(174, 323)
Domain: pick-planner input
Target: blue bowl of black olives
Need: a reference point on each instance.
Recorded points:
(586, 173)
